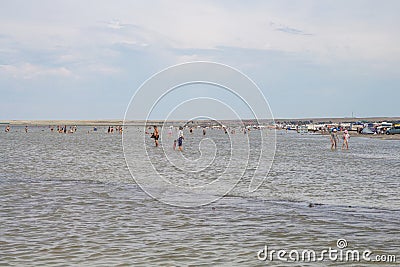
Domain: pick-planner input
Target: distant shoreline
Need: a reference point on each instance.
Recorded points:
(228, 122)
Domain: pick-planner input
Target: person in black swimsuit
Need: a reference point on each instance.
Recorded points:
(156, 135)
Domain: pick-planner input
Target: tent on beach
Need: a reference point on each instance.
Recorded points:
(367, 130)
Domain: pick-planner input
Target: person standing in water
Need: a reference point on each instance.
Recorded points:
(334, 139)
(156, 135)
(170, 131)
(204, 131)
(346, 137)
(180, 138)
(26, 129)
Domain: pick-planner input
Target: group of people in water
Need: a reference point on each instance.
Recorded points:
(180, 137)
(111, 129)
(179, 141)
(7, 129)
(156, 135)
(70, 129)
(335, 139)
(61, 129)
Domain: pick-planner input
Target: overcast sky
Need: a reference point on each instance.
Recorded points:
(85, 59)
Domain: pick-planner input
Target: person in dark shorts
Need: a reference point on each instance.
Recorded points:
(180, 138)
(155, 135)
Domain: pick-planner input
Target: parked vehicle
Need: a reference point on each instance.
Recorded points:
(393, 130)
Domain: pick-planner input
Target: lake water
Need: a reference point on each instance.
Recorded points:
(69, 199)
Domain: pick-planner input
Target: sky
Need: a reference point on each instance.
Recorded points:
(86, 59)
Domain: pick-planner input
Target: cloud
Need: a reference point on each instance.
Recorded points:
(115, 24)
(102, 46)
(215, 24)
(103, 69)
(286, 29)
(28, 71)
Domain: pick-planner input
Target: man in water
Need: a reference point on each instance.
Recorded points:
(180, 138)
(155, 135)
(334, 139)
(204, 131)
(346, 137)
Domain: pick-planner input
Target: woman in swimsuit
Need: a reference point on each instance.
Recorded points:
(346, 137)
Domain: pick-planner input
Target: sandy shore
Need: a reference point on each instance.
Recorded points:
(228, 122)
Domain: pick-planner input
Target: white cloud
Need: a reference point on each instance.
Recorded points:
(209, 24)
(30, 71)
(86, 42)
(102, 69)
(115, 24)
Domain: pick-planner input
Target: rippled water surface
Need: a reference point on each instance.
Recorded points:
(69, 199)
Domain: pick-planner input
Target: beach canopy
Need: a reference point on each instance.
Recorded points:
(367, 130)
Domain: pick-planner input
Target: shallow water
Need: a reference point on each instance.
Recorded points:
(69, 199)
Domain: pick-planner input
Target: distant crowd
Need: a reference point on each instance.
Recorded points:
(71, 129)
